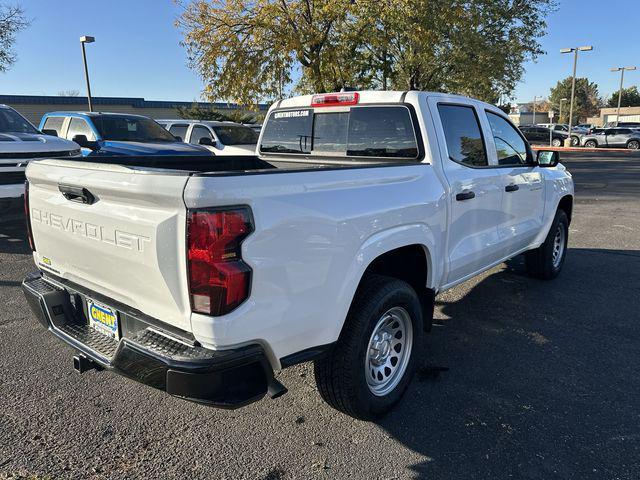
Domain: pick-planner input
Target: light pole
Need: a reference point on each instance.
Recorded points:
(621, 70)
(534, 109)
(87, 39)
(562, 100)
(573, 83)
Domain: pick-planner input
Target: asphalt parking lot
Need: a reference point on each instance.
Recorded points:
(542, 381)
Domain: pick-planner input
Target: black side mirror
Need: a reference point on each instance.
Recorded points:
(178, 138)
(206, 141)
(82, 141)
(49, 131)
(547, 158)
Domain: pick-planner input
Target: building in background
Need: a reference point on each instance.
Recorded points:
(610, 115)
(522, 114)
(34, 106)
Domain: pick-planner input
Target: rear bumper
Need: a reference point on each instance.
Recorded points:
(223, 378)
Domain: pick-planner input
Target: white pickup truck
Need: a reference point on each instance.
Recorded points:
(203, 276)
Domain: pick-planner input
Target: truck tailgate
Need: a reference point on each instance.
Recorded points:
(127, 243)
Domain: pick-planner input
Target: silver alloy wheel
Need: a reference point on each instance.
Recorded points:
(633, 145)
(389, 351)
(575, 141)
(556, 142)
(558, 246)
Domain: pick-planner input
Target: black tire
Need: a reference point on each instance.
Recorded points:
(541, 262)
(633, 145)
(591, 144)
(556, 142)
(575, 141)
(341, 375)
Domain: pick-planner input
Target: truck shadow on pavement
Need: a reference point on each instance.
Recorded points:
(13, 236)
(542, 379)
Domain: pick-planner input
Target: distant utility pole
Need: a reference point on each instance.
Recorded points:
(534, 109)
(621, 70)
(575, 50)
(562, 100)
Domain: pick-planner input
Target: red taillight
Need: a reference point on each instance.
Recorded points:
(335, 99)
(219, 280)
(27, 216)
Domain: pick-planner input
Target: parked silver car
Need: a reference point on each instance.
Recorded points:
(613, 137)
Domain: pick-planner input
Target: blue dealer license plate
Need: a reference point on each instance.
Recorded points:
(103, 319)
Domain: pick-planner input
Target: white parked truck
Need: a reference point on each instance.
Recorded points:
(203, 276)
(21, 142)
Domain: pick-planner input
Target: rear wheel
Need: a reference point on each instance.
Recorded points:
(371, 365)
(633, 144)
(591, 144)
(546, 261)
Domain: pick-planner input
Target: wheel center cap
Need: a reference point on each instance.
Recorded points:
(380, 348)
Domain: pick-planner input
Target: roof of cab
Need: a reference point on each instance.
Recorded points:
(91, 114)
(369, 97)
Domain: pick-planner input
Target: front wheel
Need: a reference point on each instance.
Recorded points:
(556, 142)
(575, 141)
(590, 144)
(633, 145)
(546, 261)
(371, 365)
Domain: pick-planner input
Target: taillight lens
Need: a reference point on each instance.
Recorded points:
(335, 99)
(27, 216)
(219, 280)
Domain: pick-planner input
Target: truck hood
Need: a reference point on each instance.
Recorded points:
(110, 147)
(31, 142)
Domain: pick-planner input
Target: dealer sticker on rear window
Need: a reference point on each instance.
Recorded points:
(291, 114)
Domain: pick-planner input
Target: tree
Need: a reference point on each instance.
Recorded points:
(250, 50)
(12, 21)
(198, 112)
(587, 100)
(630, 98)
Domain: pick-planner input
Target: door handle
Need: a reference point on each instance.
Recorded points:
(511, 188)
(77, 194)
(465, 196)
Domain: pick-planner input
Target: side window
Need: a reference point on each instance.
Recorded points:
(54, 123)
(199, 132)
(510, 147)
(463, 135)
(78, 126)
(179, 131)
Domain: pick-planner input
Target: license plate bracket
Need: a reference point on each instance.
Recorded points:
(104, 319)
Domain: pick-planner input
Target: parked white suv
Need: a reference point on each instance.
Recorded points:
(201, 278)
(20, 142)
(222, 138)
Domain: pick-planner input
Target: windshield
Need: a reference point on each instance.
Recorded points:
(236, 135)
(12, 122)
(372, 131)
(126, 128)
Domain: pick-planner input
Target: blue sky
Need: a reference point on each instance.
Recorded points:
(137, 51)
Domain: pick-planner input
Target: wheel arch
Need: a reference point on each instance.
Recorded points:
(566, 204)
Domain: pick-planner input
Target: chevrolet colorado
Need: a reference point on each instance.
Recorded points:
(202, 276)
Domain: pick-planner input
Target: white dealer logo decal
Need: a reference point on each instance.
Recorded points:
(294, 113)
(112, 236)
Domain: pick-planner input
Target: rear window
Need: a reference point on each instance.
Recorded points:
(236, 135)
(384, 131)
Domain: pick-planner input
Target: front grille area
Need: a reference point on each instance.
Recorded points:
(11, 178)
(29, 155)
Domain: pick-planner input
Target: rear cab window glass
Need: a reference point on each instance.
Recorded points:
(363, 131)
(463, 135)
(510, 146)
